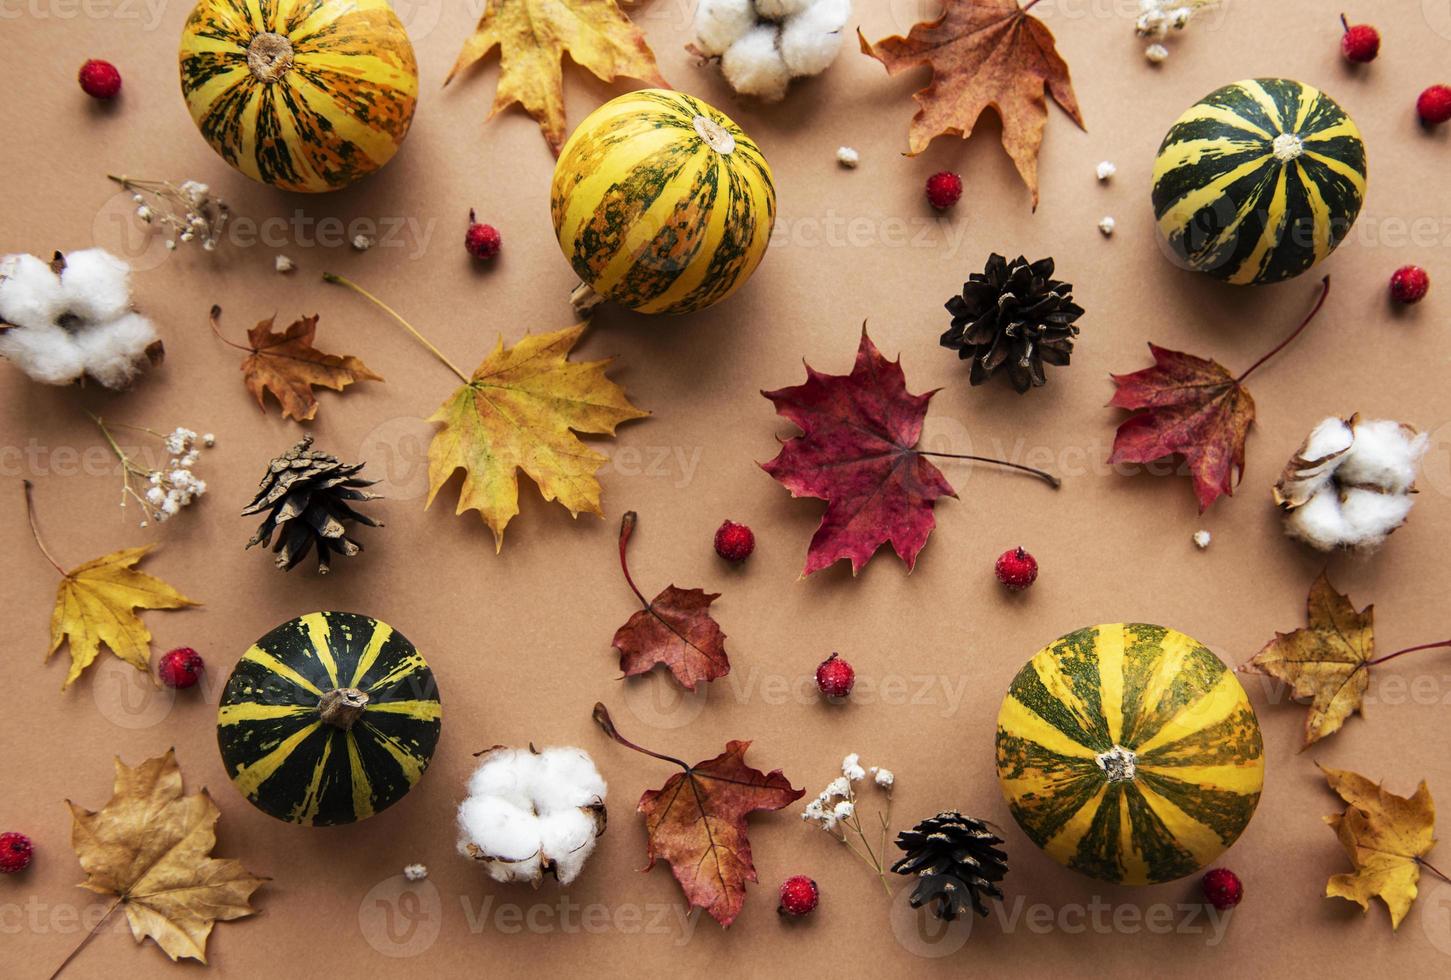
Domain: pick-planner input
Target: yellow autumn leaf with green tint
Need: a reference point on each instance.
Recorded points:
(96, 605)
(1385, 836)
(520, 411)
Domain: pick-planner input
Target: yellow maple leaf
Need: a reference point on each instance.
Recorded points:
(95, 604)
(534, 35)
(150, 847)
(519, 411)
(1386, 837)
(1327, 663)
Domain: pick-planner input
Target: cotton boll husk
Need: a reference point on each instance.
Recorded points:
(114, 352)
(97, 285)
(720, 23)
(753, 65)
(47, 354)
(781, 9)
(1385, 455)
(30, 293)
(811, 40)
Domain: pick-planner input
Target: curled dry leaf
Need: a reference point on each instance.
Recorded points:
(534, 35)
(674, 629)
(150, 847)
(697, 821)
(287, 365)
(1327, 663)
(983, 54)
(1386, 838)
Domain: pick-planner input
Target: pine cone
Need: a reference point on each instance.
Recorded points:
(305, 494)
(1015, 316)
(956, 862)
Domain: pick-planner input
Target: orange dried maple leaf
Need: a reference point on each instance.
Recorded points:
(697, 821)
(983, 54)
(287, 365)
(674, 629)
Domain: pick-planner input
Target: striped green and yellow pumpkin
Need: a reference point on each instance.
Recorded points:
(329, 719)
(1130, 753)
(1259, 181)
(306, 95)
(661, 203)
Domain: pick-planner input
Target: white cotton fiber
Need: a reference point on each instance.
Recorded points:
(97, 285)
(30, 294)
(1350, 485)
(46, 354)
(110, 355)
(530, 813)
(720, 23)
(811, 41)
(753, 65)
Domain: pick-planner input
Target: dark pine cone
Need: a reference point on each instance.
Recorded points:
(956, 861)
(305, 495)
(1013, 315)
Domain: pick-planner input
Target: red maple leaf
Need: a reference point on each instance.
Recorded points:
(1195, 408)
(674, 629)
(696, 822)
(857, 451)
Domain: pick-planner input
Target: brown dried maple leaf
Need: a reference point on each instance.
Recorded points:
(983, 54)
(1194, 408)
(697, 821)
(534, 35)
(150, 847)
(674, 629)
(287, 365)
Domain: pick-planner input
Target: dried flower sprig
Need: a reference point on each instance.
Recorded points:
(837, 811)
(1158, 17)
(161, 493)
(186, 212)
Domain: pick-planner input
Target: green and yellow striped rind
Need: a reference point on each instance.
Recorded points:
(291, 764)
(652, 216)
(1228, 205)
(339, 114)
(1107, 691)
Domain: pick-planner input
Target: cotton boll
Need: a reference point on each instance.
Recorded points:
(30, 293)
(529, 813)
(753, 65)
(97, 285)
(1330, 437)
(114, 352)
(781, 9)
(720, 23)
(47, 354)
(811, 41)
(1385, 455)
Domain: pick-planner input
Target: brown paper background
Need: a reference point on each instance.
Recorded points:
(521, 641)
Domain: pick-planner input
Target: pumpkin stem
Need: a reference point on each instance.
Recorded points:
(269, 56)
(342, 707)
(716, 136)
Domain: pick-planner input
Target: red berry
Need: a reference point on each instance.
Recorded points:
(482, 241)
(799, 895)
(1409, 284)
(944, 189)
(835, 677)
(180, 668)
(1434, 105)
(1016, 569)
(15, 853)
(1223, 888)
(734, 542)
(100, 79)
(1360, 43)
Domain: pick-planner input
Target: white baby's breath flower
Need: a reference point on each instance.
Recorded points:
(848, 157)
(1105, 170)
(883, 777)
(843, 810)
(837, 787)
(851, 767)
(415, 872)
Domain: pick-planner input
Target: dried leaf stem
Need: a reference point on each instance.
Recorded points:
(398, 318)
